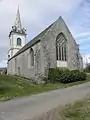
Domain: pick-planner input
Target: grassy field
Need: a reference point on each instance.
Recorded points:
(12, 87)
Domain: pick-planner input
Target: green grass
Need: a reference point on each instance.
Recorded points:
(12, 87)
(77, 111)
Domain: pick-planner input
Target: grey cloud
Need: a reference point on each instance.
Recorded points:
(1, 0)
(3, 53)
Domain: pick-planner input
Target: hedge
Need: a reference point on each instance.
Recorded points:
(65, 75)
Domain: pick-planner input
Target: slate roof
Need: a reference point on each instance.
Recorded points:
(33, 41)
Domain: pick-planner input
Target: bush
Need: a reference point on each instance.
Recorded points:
(78, 75)
(65, 75)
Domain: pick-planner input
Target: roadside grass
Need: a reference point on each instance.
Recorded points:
(79, 110)
(13, 87)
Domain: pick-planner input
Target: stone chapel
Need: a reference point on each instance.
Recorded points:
(53, 47)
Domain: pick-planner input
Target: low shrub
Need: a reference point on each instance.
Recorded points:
(79, 75)
(65, 75)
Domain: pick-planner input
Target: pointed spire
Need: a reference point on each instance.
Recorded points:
(18, 20)
(17, 25)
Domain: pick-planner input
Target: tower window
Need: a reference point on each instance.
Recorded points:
(19, 41)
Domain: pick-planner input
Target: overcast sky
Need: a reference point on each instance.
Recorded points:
(36, 15)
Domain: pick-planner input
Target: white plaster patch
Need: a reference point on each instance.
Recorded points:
(62, 64)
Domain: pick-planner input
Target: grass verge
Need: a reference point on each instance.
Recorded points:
(79, 110)
(12, 87)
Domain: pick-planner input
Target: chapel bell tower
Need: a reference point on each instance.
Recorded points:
(17, 37)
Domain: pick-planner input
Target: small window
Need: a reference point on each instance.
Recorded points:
(32, 57)
(19, 41)
(15, 64)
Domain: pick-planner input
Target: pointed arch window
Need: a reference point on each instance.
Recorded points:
(61, 47)
(19, 41)
(31, 57)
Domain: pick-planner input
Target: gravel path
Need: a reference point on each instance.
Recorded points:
(27, 108)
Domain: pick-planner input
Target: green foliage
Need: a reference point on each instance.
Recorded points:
(65, 75)
(87, 69)
(78, 75)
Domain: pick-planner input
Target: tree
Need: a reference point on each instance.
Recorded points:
(87, 69)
